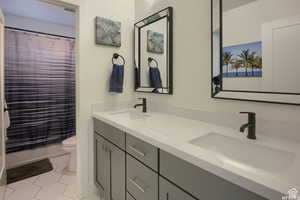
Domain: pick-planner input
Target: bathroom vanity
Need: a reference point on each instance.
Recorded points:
(136, 158)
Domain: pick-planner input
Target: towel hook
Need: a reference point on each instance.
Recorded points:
(116, 56)
(152, 60)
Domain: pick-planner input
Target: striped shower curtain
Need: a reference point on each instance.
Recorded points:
(40, 89)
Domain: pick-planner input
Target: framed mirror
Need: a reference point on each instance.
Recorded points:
(255, 48)
(153, 48)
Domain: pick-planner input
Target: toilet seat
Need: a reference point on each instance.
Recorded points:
(70, 142)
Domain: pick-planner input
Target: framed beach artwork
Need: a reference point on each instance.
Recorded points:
(108, 32)
(155, 42)
(244, 60)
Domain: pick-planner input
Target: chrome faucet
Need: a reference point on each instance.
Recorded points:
(251, 125)
(144, 104)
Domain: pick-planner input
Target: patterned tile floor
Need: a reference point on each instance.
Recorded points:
(54, 185)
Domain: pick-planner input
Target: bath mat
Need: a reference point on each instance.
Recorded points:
(29, 170)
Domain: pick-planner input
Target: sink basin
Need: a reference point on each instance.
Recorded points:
(131, 114)
(245, 154)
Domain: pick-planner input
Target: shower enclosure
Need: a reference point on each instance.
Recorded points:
(39, 88)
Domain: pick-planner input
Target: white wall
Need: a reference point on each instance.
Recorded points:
(38, 25)
(93, 71)
(244, 25)
(192, 63)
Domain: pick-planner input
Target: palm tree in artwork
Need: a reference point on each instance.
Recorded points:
(247, 59)
(252, 61)
(227, 59)
(236, 65)
(258, 62)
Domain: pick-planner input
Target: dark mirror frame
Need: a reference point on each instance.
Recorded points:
(217, 82)
(137, 62)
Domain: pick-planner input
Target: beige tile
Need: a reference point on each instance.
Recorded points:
(52, 192)
(8, 193)
(63, 198)
(22, 184)
(72, 191)
(93, 196)
(47, 179)
(68, 179)
(27, 193)
(55, 185)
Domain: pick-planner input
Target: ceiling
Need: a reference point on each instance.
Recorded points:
(38, 10)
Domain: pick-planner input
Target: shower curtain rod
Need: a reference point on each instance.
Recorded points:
(19, 29)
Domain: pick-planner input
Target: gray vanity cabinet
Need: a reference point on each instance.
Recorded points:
(110, 159)
(168, 191)
(142, 182)
(117, 173)
(144, 152)
(127, 168)
(200, 183)
(129, 197)
(109, 169)
(101, 164)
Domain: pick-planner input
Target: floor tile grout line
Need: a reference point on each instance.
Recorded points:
(58, 170)
(9, 194)
(40, 189)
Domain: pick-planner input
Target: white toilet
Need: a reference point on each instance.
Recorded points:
(69, 145)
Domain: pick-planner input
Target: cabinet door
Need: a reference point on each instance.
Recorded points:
(168, 191)
(117, 173)
(101, 165)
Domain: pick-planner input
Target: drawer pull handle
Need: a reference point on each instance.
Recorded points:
(137, 185)
(137, 151)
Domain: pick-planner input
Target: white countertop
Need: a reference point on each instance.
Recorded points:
(173, 135)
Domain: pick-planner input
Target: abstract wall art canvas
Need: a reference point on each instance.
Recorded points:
(108, 32)
(243, 60)
(155, 42)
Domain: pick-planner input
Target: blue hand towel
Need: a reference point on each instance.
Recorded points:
(155, 78)
(137, 78)
(117, 79)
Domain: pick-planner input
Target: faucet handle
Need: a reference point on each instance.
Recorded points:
(249, 113)
(144, 99)
(251, 116)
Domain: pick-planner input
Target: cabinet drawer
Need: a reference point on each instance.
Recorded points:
(143, 151)
(111, 133)
(129, 197)
(200, 183)
(168, 191)
(142, 182)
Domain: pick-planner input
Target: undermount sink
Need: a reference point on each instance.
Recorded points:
(132, 114)
(245, 154)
